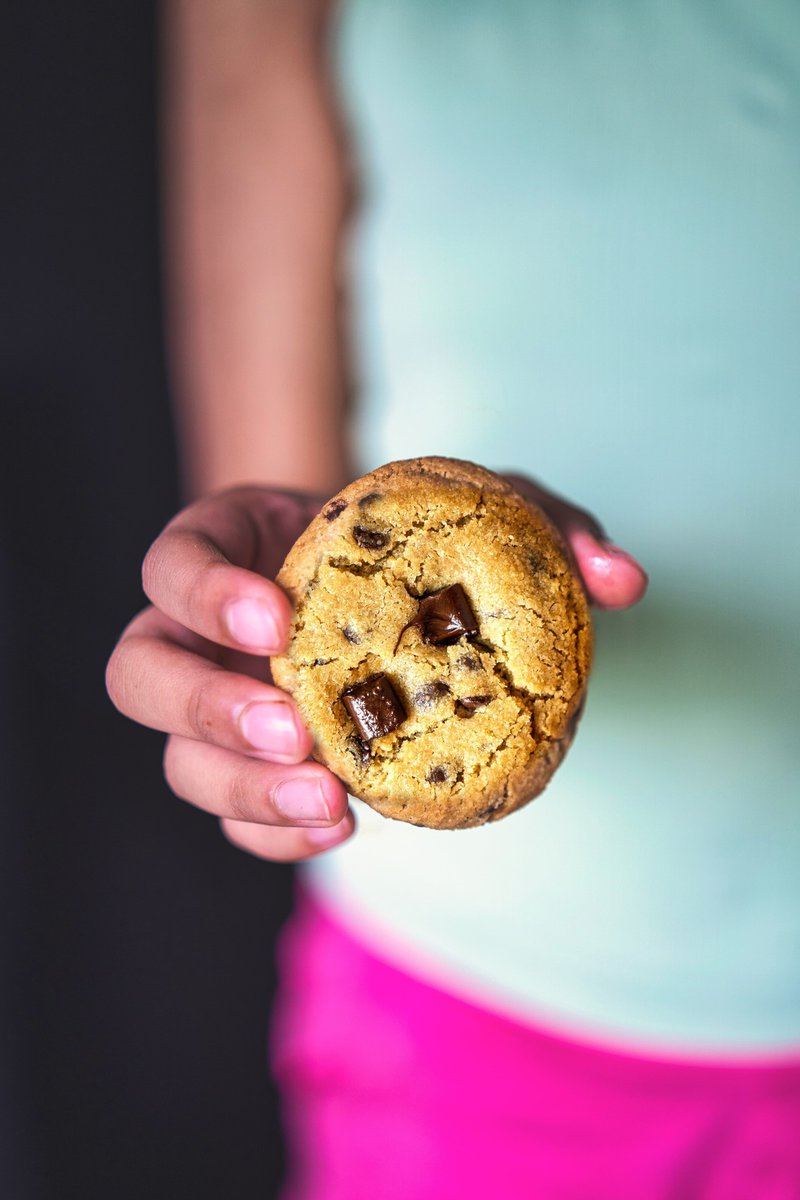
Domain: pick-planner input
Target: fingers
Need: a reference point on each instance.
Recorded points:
(272, 802)
(246, 789)
(237, 747)
(612, 577)
(168, 687)
(287, 845)
(188, 574)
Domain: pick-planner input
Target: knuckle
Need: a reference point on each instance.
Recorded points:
(160, 562)
(111, 677)
(150, 568)
(202, 600)
(118, 678)
(239, 793)
(200, 713)
(122, 671)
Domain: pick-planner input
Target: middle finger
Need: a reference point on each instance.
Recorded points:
(163, 685)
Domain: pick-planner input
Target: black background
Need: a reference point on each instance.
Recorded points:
(136, 944)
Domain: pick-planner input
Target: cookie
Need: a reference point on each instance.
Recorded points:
(441, 642)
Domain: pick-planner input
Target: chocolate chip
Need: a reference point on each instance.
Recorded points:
(469, 662)
(370, 539)
(351, 635)
(467, 705)
(359, 748)
(374, 706)
(334, 509)
(437, 775)
(370, 498)
(428, 695)
(445, 616)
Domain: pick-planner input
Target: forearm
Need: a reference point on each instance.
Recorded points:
(255, 199)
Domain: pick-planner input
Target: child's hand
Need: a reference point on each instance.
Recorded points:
(194, 665)
(611, 576)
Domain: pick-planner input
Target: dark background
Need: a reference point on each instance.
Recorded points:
(136, 964)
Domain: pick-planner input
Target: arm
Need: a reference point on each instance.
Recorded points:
(255, 198)
(255, 201)
(255, 210)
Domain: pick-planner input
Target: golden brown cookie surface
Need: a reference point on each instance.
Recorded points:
(444, 708)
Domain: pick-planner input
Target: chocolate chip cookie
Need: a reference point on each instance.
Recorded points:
(441, 642)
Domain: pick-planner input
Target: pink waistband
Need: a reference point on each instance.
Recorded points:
(393, 1088)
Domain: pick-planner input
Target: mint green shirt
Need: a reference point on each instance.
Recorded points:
(579, 256)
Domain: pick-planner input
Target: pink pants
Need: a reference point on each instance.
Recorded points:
(395, 1090)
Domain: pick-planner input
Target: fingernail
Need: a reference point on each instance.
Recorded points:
(302, 800)
(613, 576)
(271, 726)
(632, 568)
(252, 624)
(591, 551)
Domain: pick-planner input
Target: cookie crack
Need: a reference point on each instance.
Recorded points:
(362, 569)
(372, 566)
(500, 747)
(402, 738)
(521, 694)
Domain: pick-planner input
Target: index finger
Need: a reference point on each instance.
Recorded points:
(197, 572)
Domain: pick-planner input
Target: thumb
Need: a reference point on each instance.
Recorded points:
(612, 577)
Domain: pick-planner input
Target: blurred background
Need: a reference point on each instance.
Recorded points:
(136, 943)
(136, 971)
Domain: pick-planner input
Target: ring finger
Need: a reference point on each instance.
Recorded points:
(166, 686)
(247, 789)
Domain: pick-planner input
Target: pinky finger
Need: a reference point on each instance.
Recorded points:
(287, 843)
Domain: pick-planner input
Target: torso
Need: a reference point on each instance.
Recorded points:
(578, 257)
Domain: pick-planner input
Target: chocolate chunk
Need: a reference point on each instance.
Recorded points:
(375, 707)
(469, 662)
(437, 775)
(334, 509)
(351, 635)
(445, 616)
(370, 539)
(467, 705)
(370, 498)
(428, 695)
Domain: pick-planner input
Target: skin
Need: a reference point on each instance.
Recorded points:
(193, 664)
(257, 194)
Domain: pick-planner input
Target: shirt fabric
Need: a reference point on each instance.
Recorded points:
(578, 257)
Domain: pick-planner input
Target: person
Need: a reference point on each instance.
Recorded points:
(574, 256)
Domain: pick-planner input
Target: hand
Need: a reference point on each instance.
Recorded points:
(194, 665)
(611, 576)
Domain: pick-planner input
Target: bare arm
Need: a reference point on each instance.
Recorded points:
(255, 201)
